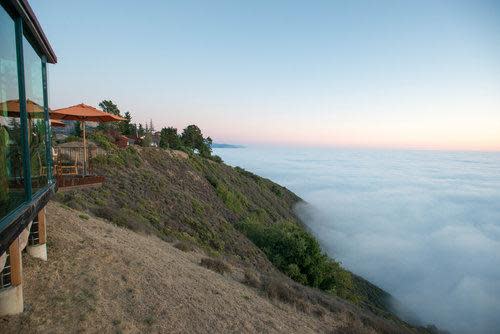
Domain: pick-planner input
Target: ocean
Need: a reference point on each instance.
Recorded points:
(423, 225)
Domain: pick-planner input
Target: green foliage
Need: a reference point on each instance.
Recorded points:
(103, 140)
(126, 127)
(192, 138)
(119, 158)
(298, 254)
(147, 140)
(140, 130)
(70, 139)
(246, 173)
(216, 158)
(109, 107)
(235, 201)
(77, 130)
(169, 138)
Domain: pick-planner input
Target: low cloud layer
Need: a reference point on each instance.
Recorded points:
(425, 226)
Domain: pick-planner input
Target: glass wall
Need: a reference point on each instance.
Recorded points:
(11, 169)
(36, 117)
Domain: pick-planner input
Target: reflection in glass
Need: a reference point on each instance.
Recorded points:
(11, 176)
(36, 116)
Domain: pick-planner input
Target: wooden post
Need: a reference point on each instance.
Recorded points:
(11, 298)
(16, 263)
(42, 232)
(38, 237)
(84, 149)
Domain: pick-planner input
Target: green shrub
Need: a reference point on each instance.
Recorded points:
(215, 158)
(235, 201)
(102, 140)
(298, 254)
(71, 138)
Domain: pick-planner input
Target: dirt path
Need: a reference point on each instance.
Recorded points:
(105, 279)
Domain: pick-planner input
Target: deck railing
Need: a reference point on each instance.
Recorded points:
(70, 160)
(71, 171)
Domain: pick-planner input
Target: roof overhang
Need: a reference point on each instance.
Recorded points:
(23, 8)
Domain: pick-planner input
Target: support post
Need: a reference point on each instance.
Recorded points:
(38, 237)
(84, 150)
(11, 297)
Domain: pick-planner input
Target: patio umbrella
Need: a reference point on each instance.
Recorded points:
(84, 113)
(57, 123)
(13, 107)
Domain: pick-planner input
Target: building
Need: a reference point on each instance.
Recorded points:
(26, 179)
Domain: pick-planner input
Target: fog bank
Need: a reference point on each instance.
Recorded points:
(425, 226)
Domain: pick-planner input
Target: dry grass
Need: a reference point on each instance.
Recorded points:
(216, 265)
(184, 246)
(104, 279)
(251, 278)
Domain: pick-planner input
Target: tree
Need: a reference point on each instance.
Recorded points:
(77, 131)
(169, 138)
(192, 137)
(140, 130)
(109, 107)
(147, 140)
(125, 126)
(151, 127)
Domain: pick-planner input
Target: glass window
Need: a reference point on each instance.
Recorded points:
(11, 177)
(36, 116)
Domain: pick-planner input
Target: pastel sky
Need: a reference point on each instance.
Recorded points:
(403, 74)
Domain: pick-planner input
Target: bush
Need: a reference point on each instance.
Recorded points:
(102, 140)
(277, 289)
(184, 246)
(251, 279)
(298, 254)
(216, 265)
(215, 158)
(71, 138)
(235, 201)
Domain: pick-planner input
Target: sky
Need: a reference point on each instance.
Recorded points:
(390, 74)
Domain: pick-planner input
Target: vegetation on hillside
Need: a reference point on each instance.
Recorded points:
(226, 211)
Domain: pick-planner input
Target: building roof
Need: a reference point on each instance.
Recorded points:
(23, 8)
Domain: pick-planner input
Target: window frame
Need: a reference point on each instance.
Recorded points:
(29, 197)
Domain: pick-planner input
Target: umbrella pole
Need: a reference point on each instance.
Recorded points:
(84, 150)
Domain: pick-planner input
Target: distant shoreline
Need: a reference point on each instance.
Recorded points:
(222, 145)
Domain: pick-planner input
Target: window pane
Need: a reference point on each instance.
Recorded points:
(36, 116)
(11, 176)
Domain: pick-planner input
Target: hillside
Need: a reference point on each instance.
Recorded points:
(103, 279)
(236, 218)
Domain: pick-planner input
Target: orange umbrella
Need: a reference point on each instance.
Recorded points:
(57, 123)
(84, 113)
(13, 107)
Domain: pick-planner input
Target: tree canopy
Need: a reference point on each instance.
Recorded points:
(109, 107)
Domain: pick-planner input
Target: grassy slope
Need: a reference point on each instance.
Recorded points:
(176, 196)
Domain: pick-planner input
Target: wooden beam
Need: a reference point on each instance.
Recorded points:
(16, 264)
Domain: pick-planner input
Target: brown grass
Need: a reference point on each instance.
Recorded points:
(184, 246)
(216, 265)
(251, 278)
